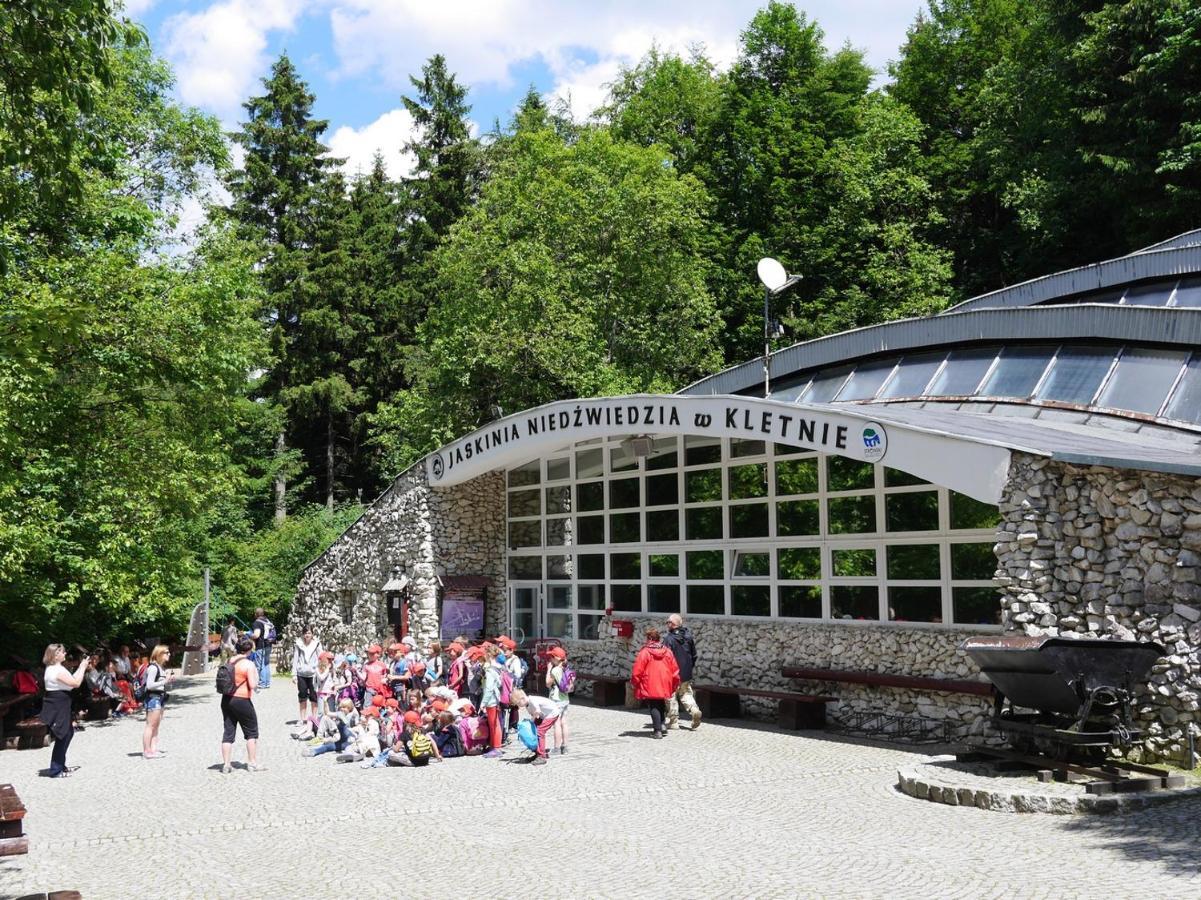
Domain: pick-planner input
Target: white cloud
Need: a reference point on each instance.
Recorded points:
(387, 135)
(134, 8)
(582, 44)
(218, 53)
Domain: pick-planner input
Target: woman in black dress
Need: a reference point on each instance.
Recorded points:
(56, 705)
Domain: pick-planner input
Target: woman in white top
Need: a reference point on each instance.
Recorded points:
(56, 705)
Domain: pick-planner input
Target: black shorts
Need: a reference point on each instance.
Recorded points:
(237, 711)
(306, 687)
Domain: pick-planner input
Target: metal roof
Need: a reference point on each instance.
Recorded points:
(1188, 239)
(1083, 321)
(1150, 263)
(1080, 444)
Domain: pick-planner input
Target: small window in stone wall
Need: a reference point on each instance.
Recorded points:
(346, 606)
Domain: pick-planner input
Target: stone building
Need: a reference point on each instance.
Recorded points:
(1025, 461)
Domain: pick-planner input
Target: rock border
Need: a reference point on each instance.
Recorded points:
(912, 783)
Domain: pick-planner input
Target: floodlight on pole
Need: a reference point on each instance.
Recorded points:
(775, 280)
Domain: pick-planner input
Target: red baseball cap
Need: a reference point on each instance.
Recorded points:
(375, 648)
(378, 700)
(557, 653)
(412, 718)
(392, 703)
(454, 647)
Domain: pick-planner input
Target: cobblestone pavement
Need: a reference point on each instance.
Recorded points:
(732, 810)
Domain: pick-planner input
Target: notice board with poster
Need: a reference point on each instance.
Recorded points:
(463, 601)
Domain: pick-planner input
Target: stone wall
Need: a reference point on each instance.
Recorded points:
(410, 529)
(1091, 552)
(749, 654)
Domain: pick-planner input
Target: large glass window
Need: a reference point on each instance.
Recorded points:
(1188, 293)
(825, 386)
(1017, 372)
(866, 380)
(912, 375)
(1076, 374)
(1185, 404)
(964, 371)
(1142, 379)
(744, 528)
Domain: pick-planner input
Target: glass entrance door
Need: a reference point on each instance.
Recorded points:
(557, 615)
(525, 611)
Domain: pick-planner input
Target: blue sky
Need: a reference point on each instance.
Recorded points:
(356, 55)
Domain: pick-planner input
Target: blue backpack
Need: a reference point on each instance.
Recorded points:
(527, 734)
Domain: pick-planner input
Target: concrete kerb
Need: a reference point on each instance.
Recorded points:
(923, 782)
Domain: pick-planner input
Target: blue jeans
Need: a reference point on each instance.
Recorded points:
(262, 659)
(334, 746)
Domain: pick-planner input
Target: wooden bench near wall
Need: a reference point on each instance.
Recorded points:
(795, 711)
(12, 812)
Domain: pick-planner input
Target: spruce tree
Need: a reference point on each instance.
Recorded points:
(275, 195)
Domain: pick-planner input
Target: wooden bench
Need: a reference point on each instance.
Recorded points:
(795, 711)
(607, 690)
(883, 679)
(12, 811)
(30, 733)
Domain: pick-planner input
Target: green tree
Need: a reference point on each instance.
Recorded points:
(276, 196)
(446, 165)
(793, 157)
(56, 62)
(580, 272)
(665, 100)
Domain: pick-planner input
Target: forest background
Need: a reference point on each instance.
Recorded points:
(230, 398)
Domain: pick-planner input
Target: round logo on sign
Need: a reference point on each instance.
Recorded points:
(437, 467)
(875, 442)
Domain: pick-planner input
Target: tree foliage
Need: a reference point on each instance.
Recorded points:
(580, 272)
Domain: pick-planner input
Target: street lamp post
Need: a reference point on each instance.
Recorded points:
(775, 281)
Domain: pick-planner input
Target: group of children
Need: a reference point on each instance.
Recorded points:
(406, 708)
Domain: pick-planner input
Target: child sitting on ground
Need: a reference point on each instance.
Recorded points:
(413, 748)
(345, 719)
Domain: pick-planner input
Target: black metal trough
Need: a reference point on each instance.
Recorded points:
(1080, 691)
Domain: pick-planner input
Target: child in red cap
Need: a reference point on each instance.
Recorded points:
(556, 691)
(413, 747)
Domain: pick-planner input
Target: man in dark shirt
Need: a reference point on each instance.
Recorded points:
(260, 629)
(679, 641)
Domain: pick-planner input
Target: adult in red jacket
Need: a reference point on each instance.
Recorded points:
(656, 676)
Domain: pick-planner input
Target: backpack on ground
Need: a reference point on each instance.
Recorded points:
(527, 734)
(567, 680)
(473, 734)
(420, 745)
(226, 684)
(139, 683)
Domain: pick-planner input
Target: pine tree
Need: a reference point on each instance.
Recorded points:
(447, 159)
(275, 197)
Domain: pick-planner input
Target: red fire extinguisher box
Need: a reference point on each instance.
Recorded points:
(623, 628)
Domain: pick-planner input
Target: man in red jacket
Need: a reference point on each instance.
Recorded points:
(656, 676)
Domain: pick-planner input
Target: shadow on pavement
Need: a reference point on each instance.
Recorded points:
(1168, 835)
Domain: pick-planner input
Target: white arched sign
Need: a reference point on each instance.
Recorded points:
(971, 466)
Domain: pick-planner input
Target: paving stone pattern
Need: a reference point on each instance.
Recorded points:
(732, 810)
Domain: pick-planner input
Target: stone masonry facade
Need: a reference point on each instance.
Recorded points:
(412, 530)
(1083, 551)
(1095, 552)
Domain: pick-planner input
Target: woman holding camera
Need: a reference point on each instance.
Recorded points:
(56, 705)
